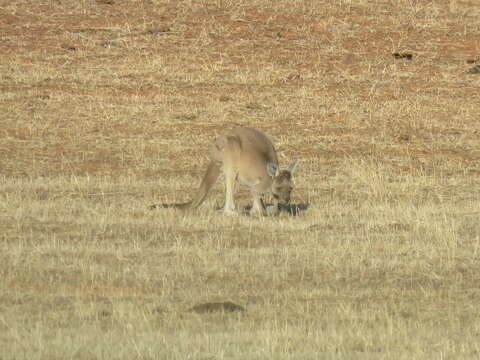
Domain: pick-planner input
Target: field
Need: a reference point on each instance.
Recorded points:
(109, 106)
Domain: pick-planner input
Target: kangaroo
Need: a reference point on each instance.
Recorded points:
(247, 157)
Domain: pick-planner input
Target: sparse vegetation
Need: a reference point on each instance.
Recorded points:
(109, 106)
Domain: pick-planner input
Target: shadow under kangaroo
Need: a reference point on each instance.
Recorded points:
(246, 157)
(289, 209)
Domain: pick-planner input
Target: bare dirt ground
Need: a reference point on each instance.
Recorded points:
(108, 106)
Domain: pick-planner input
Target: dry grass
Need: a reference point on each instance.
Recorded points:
(108, 106)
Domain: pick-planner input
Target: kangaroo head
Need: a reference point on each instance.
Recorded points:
(282, 183)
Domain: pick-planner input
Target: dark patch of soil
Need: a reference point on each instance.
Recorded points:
(223, 307)
(405, 56)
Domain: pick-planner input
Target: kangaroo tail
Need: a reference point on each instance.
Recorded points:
(209, 179)
(181, 206)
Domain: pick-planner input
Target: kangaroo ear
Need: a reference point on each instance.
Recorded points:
(272, 169)
(291, 168)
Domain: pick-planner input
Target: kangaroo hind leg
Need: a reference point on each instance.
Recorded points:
(230, 179)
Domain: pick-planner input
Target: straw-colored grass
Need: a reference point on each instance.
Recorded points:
(109, 106)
